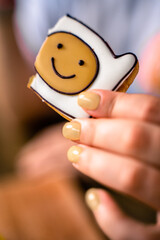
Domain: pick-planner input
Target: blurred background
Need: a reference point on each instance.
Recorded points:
(34, 170)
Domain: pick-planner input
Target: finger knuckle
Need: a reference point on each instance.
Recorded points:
(133, 138)
(87, 165)
(132, 178)
(150, 108)
(91, 136)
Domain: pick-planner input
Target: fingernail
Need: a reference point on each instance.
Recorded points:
(72, 130)
(92, 199)
(73, 154)
(89, 100)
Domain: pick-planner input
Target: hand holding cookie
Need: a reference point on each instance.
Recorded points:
(120, 148)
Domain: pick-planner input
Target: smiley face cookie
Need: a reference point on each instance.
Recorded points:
(73, 59)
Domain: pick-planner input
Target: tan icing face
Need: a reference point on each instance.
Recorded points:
(66, 63)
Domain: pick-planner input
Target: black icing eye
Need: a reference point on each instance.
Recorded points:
(59, 45)
(81, 62)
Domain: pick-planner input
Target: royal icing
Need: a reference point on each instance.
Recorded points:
(72, 59)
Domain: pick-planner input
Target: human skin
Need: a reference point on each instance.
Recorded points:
(45, 153)
(120, 148)
(149, 74)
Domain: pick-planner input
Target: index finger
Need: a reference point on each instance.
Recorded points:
(109, 104)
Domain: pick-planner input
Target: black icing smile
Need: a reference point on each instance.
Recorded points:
(57, 73)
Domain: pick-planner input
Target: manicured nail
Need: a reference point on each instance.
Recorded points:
(89, 100)
(92, 199)
(73, 154)
(72, 130)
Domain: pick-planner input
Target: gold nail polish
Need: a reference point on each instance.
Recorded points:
(72, 130)
(92, 199)
(89, 100)
(73, 154)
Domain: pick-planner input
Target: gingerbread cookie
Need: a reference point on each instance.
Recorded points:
(73, 59)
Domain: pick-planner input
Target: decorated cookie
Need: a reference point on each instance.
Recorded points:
(74, 58)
